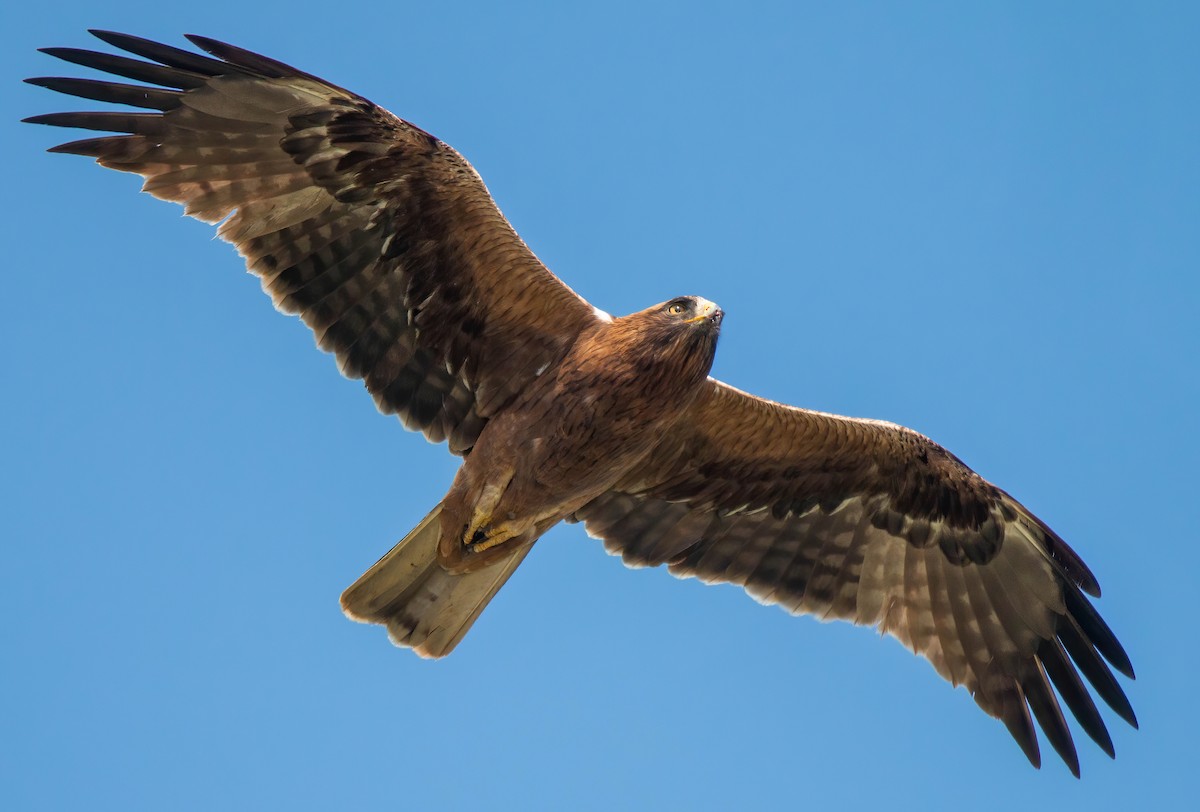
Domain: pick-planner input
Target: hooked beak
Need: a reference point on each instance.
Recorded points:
(708, 311)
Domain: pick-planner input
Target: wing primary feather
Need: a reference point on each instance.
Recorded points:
(1062, 555)
(1016, 718)
(1049, 715)
(243, 58)
(164, 54)
(129, 68)
(142, 123)
(1094, 668)
(1071, 689)
(92, 147)
(151, 98)
(1097, 630)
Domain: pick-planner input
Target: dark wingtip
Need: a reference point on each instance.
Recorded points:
(66, 149)
(201, 41)
(1070, 758)
(1092, 666)
(1070, 563)
(1066, 751)
(1070, 687)
(167, 55)
(1017, 719)
(1098, 632)
(107, 36)
(126, 42)
(1049, 715)
(248, 60)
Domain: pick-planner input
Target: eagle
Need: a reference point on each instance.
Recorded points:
(386, 243)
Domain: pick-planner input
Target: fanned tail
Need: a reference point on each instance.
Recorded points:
(424, 607)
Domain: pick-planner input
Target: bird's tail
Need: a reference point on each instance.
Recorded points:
(423, 606)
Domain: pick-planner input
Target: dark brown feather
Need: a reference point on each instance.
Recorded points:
(255, 63)
(1091, 666)
(1070, 688)
(134, 95)
(1097, 631)
(1048, 714)
(129, 68)
(164, 54)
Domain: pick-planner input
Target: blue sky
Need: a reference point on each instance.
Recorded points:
(976, 221)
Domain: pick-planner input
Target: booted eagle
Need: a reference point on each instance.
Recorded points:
(386, 243)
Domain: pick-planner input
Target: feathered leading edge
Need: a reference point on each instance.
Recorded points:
(423, 606)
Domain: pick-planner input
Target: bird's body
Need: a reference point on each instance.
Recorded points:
(385, 241)
(532, 466)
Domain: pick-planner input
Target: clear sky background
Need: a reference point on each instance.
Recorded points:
(978, 220)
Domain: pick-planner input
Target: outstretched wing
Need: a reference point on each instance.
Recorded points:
(380, 237)
(873, 523)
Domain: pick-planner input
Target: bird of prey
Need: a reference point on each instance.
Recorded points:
(385, 241)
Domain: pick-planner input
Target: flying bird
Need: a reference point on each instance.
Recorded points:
(386, 243)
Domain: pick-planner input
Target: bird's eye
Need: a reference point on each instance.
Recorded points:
(675, 309)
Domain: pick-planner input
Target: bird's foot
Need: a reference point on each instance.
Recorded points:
(479, 536)
(492, 537)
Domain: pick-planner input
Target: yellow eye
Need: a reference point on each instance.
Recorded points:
(675, 309)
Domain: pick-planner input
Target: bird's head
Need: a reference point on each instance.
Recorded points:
(681, 333)
(696, 312)
(688, 321)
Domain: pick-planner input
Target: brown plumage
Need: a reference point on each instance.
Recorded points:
(386, 243)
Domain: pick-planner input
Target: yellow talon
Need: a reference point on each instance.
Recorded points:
(479, 537)
(492, 537)
(493, 540)
(476, 528)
